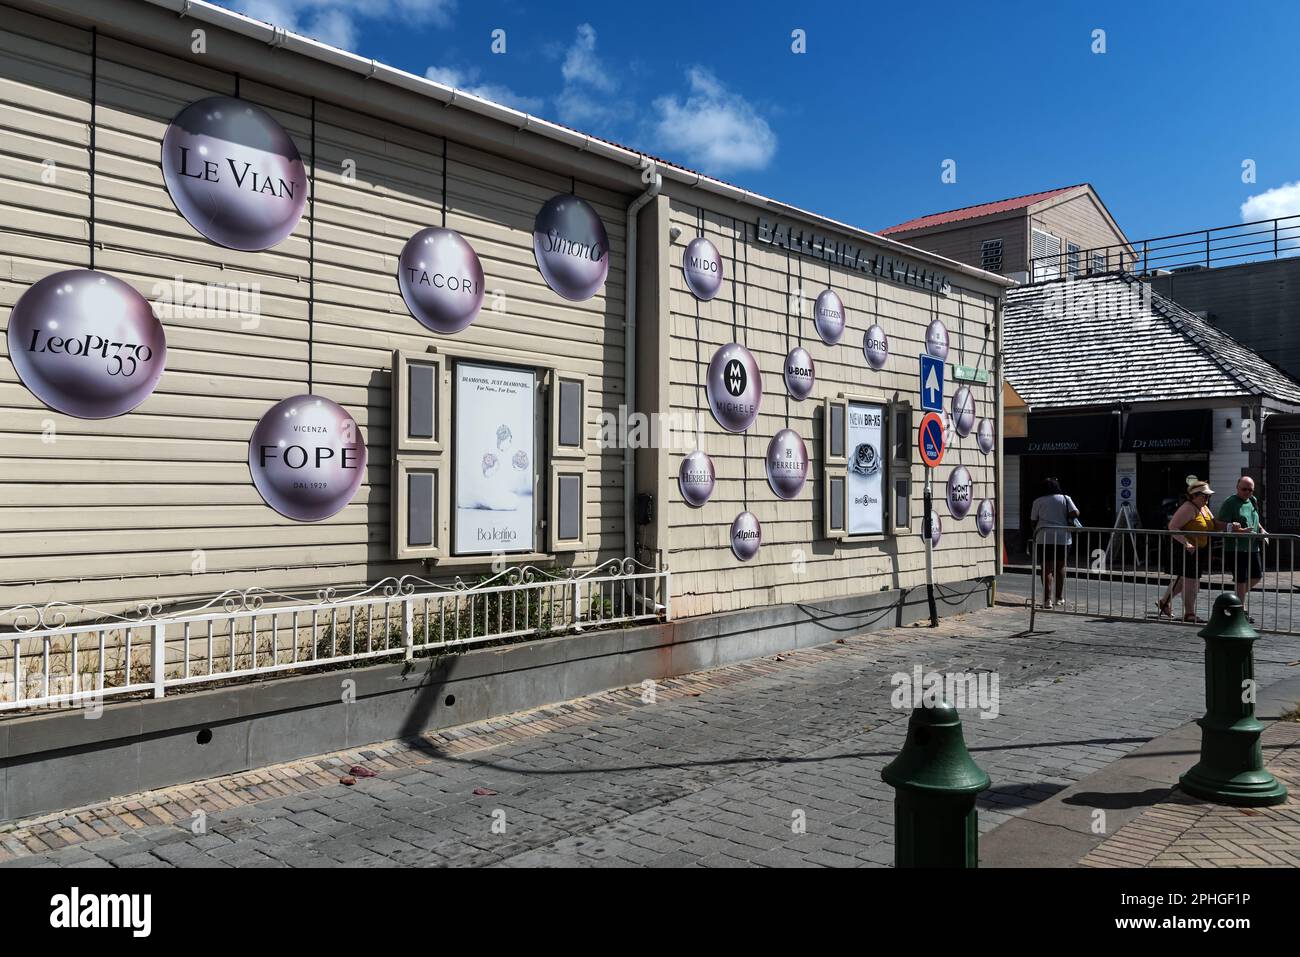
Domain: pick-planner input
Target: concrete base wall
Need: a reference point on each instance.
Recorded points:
(54, 761)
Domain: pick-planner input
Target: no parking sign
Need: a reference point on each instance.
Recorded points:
(929, 439)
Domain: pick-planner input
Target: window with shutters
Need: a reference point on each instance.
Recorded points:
(489, 459)
(867, 467)
(1073, 258)
(991, 255)
(1046, 255)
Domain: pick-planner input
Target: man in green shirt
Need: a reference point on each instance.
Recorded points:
(1243, 552)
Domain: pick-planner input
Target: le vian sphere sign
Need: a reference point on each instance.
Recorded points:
(234, 173)
(306, 457)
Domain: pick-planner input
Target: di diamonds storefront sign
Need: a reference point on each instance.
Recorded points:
(804, 240)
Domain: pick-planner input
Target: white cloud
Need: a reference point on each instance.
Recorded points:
(713, 127)
(336, 22)
(467, 80)
(588, 97)
(1273, 203)
(581, 65)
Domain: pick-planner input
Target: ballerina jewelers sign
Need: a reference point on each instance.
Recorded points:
(892, 268)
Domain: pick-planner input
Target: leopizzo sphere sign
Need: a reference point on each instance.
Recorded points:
(702, 265)
(234, 173)
(306, 457)
(734, 387)
(441, 280)
(86, 344)
(571, 247)
(695, 478)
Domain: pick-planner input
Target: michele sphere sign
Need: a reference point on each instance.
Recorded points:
(86, 344)
(307, 458)
(441, 280)
(571, 247)
(234, 173)
(734, 387)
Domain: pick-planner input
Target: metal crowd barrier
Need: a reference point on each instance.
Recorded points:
(1141, 575)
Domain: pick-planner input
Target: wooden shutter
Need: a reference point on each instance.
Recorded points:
(835, 472)
(420, 489)
(566, 514)
(898, 496)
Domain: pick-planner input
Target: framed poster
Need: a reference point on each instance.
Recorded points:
(495, 453)
(865, 450)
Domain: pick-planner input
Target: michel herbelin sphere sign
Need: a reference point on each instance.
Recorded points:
(234, 173)
(307, 458)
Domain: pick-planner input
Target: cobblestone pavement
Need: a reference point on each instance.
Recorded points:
(1185, 832)
(773, 762)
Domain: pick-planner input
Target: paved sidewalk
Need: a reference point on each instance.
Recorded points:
(774, 762)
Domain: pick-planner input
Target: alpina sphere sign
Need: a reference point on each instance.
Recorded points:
(746, 536)
(961, 492)
(734, 387)
(702, 265)
(800, 373)
(875, 347)
(307, 458)
(963, 411)
(828, 317)
(936, 340)
(787, 464)
(234, 173)
(86, 344)
(441, 280)
(571, 247)
(695, 478)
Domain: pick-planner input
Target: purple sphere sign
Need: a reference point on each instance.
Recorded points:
(441, 280)
(734, 387)
(702, 266)
(86, 344)
(787, 464)
(695, 478)
(800, 373)
(961, 492)
(746, 536)
(306, 457)
(828, 317)
(234, 173)
(571, 247)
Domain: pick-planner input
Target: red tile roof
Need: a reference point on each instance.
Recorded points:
(975, 212)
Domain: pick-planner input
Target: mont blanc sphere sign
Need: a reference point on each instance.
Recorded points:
(961, 492)
(800, 373)
(702, 266)
(441, 280)
(828, 317)
(734, 387)
(571, 247)
(696, 478)
(307, 457)
(86, 344)
(786, 464)
(234, 173)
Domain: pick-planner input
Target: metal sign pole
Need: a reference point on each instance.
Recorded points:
(928, 530)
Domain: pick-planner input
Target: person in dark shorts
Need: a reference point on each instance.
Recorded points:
(1243, 554)
(1054, 513)
(1191, 553)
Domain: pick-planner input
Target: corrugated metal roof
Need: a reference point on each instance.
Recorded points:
(1101, 340)
(975, 212)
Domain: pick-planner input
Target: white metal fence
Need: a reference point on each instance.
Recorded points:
(1150, 574)
(46, 662)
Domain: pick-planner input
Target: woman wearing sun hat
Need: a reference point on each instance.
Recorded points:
(1190, 553)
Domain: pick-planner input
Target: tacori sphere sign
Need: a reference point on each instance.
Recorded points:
(746, 536)
(984, 517)
(828, 317)
(961, 492)
(696, 478)
(963, 411)
(306, 457)
(702, 266)
(787, 464)
(571, 247)
(985, 437)
(936, 340)
(441, 280)
(800, 373)
(86, 344)
(875, 347)
(734, 387)
(234, 173)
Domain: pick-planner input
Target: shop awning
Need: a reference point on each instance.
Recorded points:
(1092, 434)
(1180, 431)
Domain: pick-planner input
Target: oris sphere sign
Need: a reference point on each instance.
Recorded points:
(961, 492)
(746, 536)
(702, 266)
(234, 173)
(984, 517)
(306, 457)
(828, 317)
(695, 478)
(571, 247)
(936, 340)
(963, 411)
(875, 347)
(800, 373)
(734, 388)
(787, 464)
(441, 280)
(86, 344)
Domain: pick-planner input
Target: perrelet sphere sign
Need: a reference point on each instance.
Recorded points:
(571, 247)
(786, 464)
(696, 478)
(307, 458)
(441, 280)
(234, 173)
(733, 387)
(86, 344)
(702, 266)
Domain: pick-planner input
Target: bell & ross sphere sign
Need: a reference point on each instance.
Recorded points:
(441, 280)
(929, 439)
(307, 458)
(86, 344)
(234, 173)
(571, 247)
(879, 264)
(734, 387)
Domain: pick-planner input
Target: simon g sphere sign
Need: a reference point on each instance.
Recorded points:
(881, 265)
(571, 247)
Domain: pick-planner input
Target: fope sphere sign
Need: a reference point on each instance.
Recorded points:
(929, 439)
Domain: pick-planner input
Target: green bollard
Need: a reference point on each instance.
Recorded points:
(935, 781)
(1231, 769)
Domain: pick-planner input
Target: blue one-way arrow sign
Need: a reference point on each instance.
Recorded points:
(931, 383)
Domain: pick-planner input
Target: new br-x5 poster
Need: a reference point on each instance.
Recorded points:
(866, 500)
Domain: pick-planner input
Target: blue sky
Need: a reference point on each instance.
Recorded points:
(858, 127)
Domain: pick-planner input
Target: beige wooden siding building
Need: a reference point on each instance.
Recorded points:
(157, 504)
